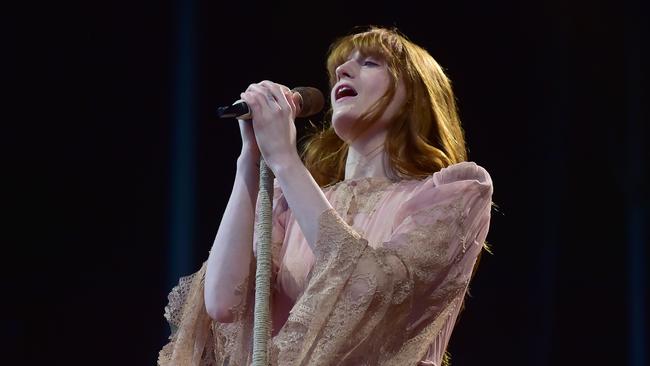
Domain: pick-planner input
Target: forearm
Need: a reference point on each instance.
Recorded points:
(304, 196)
(230, 256)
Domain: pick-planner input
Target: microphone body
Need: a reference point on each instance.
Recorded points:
(311, 101)
(239, 110)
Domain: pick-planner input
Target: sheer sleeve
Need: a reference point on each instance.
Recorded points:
(384, 304)
(195, 338)
(190, 324)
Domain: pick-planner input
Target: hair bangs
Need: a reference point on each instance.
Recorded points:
(374, 42)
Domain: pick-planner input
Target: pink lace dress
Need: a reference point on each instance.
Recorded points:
(383, 286)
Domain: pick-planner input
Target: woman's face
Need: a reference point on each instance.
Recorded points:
(361, 81)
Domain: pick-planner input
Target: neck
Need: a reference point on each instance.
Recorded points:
(367, 158)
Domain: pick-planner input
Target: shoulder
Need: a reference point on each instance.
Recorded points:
(454, 177)
(464, 183)
(467, 171)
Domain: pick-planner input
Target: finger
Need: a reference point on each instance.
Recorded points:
(272, 85)
(256, 101)
(291, 99)
(271, 90)
(279, 92)
(250, 99)
(257, 94)
(264, 93)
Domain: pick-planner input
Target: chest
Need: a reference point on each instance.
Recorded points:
(372, 218)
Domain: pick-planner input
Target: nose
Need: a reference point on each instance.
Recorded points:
(345, 69)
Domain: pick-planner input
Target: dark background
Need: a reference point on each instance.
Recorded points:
(116, 171)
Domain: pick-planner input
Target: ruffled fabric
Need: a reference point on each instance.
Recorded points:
(383, 286)
(195, 338)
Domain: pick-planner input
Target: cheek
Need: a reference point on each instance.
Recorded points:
(380, 85)
(397, 103)
(393, 109)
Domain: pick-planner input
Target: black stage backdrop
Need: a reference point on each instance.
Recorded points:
(116, 171)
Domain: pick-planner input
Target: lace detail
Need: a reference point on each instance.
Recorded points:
(176, 301)
(341, 201)
(189, 322)
(197, 340)
(239, 310)
(380, 304)
(418, 344)
(359, 196)
(430, 226)
(355, 289)
(365, 202)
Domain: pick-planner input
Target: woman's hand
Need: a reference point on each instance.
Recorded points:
(274, 110)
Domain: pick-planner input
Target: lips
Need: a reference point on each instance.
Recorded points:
(344, 90)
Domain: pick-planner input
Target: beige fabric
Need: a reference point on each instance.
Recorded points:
(392, 301)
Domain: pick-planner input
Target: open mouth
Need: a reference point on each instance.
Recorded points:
(343, 91)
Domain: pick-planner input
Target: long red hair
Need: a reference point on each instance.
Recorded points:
(424, 137)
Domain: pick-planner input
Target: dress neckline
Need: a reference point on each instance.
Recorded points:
(365, 182)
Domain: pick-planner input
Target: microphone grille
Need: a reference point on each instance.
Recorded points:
(313, 100)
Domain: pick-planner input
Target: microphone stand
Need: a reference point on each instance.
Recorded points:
(262, 323)
(313, 98)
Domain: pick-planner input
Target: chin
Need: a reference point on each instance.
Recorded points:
(344, 117)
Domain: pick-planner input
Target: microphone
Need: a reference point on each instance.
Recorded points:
(311, 101)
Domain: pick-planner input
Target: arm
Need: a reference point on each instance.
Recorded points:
(274, 110)
(302, 193)
(230, 256)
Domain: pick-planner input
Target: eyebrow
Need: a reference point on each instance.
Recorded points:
(361, 55)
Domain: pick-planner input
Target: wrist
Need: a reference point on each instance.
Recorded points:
(248, 160)
(283, 163)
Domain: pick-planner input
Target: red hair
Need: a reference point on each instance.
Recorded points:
(425, 135)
